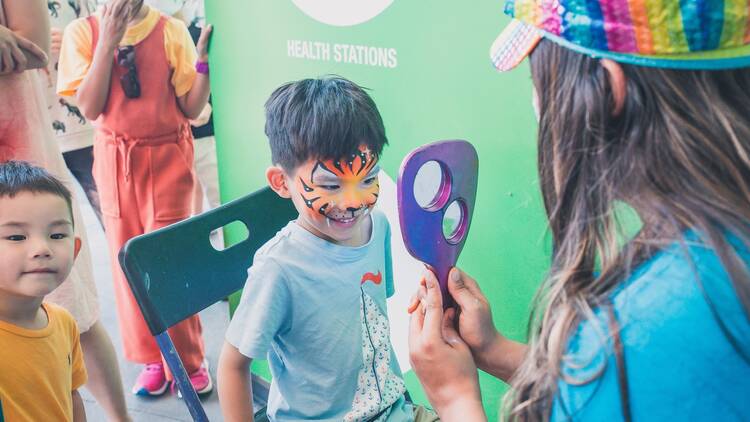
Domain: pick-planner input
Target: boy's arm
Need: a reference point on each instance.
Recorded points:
(78, 375)
(235, 388)
(79, 412)
(94, 90)
(196, 99)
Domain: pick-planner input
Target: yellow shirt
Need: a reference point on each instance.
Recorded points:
(39, 369)
(76, 53)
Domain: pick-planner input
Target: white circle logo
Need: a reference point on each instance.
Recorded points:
(342, 12)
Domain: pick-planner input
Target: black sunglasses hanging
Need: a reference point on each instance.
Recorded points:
(129, 81)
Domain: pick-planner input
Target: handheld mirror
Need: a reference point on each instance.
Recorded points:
(436, 190)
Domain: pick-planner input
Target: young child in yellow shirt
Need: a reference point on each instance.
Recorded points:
(41, 365)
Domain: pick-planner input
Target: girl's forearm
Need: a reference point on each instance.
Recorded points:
(503, 358)
(196, 99)
(468, 411)
(93, 92)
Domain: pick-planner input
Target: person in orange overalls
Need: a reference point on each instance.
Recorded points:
(137, 74)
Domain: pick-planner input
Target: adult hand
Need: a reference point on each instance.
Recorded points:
(492, 352)
(114, 22)
(12, 46)
(203, 42)
(475, 316)
(441, 360)
(55, 40)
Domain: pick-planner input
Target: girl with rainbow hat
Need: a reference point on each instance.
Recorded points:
(642, 104)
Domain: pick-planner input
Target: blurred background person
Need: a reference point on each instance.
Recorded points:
(26, 134)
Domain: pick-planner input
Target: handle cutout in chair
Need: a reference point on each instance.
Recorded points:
(235, 226)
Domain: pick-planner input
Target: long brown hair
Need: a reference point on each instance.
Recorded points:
(678, 153)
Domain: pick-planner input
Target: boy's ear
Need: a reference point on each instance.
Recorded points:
(277, 181)
(76, 247)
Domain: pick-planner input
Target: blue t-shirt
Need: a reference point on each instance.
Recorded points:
(317, 312)
(681, 364)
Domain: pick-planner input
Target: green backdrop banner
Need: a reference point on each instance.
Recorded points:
(427, 65)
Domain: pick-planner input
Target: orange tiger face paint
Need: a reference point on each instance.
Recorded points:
(337, 194)
(345, 185)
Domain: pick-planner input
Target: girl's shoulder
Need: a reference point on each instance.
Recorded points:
(686, 284)
(683, 329)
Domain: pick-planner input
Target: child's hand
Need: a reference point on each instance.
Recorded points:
(55, 40)
(203, 43)
(12, 57)
(204, 117)
(114, 22)
(441, 359)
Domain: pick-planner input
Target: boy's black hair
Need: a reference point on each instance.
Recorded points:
(322, 118)
(19, 176)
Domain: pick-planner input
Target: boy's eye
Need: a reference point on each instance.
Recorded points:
(370, 180)
(329, 187)
(58, 236)
(16, 237)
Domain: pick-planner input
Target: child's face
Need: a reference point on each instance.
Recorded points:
(37, 245)
(334, 197)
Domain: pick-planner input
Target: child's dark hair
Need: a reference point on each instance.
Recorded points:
(323, 118)
(19, 176)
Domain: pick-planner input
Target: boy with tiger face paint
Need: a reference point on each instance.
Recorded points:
(314, 304)
(326, 136)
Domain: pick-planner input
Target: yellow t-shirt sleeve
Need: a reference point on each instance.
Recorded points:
(79, 369)
(76, 54)
(181, 55)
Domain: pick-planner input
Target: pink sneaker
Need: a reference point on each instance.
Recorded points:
(152, 381)
(201, 380)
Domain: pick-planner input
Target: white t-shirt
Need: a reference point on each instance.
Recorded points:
(72, 130)
(317, 311)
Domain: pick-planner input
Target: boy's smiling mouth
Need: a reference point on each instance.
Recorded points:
(342, 220)
(346, 219)
(44, 270)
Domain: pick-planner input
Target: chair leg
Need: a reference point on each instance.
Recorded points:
(181, 377)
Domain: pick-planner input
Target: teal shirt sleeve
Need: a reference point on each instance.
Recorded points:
(264, 309)
(686, 342)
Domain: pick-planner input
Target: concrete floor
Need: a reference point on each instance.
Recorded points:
(167, 407)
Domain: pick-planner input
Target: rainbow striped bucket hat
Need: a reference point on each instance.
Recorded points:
(681, 34)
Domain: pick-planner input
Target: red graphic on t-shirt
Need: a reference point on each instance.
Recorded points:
(372, 277)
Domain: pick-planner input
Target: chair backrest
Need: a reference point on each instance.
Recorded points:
(175, 272)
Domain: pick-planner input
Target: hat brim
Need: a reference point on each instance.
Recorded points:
(728, 58)
(518, 39)
(513, 45)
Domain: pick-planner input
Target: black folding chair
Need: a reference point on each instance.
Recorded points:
(175, 272)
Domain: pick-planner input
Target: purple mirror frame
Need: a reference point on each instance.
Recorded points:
(422, 228)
